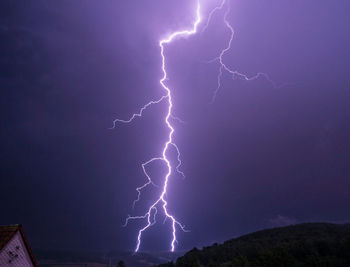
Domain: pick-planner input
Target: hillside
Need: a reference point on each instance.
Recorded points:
(310, 244)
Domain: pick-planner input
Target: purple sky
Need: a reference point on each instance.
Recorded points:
(258, 157)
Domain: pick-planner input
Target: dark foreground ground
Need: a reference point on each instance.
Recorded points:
(302, 245)
(62, 258)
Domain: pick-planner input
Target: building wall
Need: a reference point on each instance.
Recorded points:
(15, 254)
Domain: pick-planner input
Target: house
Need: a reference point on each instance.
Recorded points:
(14, 248)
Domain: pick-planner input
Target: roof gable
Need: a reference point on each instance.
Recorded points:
(6, 235)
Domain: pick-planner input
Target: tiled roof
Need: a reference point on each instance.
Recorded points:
(6, 233)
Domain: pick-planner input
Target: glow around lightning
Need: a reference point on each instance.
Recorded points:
(223, 67)
(161, 203)
(150, 216)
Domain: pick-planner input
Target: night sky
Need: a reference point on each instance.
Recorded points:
(259, 156)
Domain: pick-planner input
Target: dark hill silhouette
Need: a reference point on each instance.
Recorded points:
(309, 244)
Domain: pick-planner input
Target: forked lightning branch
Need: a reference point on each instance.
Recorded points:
(160, 205)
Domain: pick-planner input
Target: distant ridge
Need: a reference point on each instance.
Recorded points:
(308, 244)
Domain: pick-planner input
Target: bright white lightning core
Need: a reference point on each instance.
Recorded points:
(149, 217)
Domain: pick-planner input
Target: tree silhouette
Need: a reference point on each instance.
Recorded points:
(121, 264)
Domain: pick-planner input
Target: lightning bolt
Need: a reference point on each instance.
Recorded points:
(222, 66)
(149, 217)
(161, 202)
